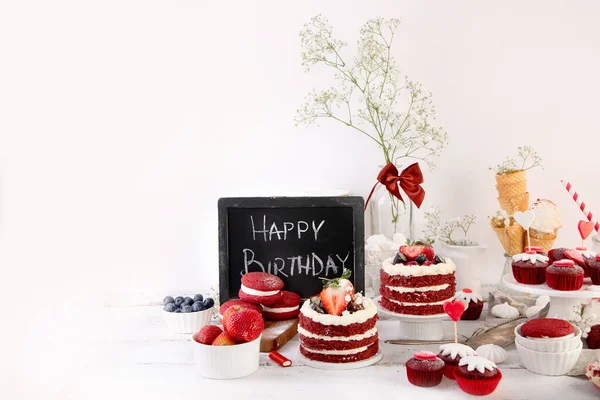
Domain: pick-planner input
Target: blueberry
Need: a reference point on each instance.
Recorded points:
(317, 308)
(198, 297)
(178, 301)
(438, 259)
(188, 301)
(421, 258)
(186, 308)
(197, 306)
(168, 300)
(170, 307)
(177, 310)
(208, 303)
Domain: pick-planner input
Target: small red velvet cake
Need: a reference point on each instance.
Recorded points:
(473, 304)
(593, 339)
(260, 288)
(593, 269)
(417, 282)
(241, 303)
(287, 307)
(477, 375)
(530, 267)
(451, 354)
(579, 256)
(564, 275)
(543, 328)
(425, 369)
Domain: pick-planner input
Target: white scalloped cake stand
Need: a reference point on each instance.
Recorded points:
(340, 366)
(561, 302)
(416, 327)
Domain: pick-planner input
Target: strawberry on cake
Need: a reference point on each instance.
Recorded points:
(260, 288)
(338, 325)
(287, 307)
(417, 281)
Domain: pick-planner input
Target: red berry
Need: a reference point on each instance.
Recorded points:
(231, 310)
(244, 325)
(425, 355)
(208, 334)
(427, 263)
(334, 300)
(224, 339)
(412, 252)
(412, 263)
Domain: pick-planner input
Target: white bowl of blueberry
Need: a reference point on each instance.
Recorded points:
(187, 314)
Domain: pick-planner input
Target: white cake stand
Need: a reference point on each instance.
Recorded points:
(416, 327)
(341, 366)
(561, 302)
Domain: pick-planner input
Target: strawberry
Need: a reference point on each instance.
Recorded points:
(413, 250)
(244, 325)
(337, 293)
(224, 339)
(575, 256)
(230, 310)
(208, 334)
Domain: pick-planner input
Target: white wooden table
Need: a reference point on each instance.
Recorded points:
(126, 352)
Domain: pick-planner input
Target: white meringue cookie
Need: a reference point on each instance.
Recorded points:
(492, 352)
(505, 310)
(542, 301)
(531, 311)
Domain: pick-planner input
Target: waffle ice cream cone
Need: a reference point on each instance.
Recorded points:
(511, 238)
(511, 179)
(514, 204)
(541, 239)
(515, 189)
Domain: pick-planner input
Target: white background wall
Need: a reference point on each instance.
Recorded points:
(123, 122)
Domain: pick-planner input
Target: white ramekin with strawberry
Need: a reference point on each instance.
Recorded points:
(232, 351)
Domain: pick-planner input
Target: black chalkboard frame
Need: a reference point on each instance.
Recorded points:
(357, 204)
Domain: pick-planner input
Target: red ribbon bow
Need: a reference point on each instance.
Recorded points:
(409, 180)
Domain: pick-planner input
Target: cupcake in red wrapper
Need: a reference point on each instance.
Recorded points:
(477, 375)
(564, 275)
(473, 304)
(530, 267)
(579, 255)
(593, 339)
(593, 269)
(451, 354)
(425, 369)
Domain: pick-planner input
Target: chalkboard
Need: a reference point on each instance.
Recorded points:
(299, 239)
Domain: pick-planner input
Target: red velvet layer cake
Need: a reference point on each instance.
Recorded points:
(344, 338)
(417, 282)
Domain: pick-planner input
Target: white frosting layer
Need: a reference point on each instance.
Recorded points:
(477, 363)
(419, 270)
(355, 318)
(588, 254)
(419, 304)
(280, 310)
(254, 292)
(338, 352)
(551, 339)
(492, 352)
(505, 310)
(457, 349)
(370, 333)
(532, 258)
(401, 289)
(547, 217)
(468, 297)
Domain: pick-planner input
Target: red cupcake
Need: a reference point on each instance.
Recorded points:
(260, 288)
(241, 303)
(451, 354)
(593, 339)
(287, 307)
(593, 269)
(425, 369)
(557, 254)
(530, 267)
(564, 275)
(473, 304)
(578, 255)
(477, 375)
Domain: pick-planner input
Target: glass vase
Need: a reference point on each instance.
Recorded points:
(389, 215)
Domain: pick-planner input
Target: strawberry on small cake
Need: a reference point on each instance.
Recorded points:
(260, 288)
(417, 281)
(287, 307)
(338, 325)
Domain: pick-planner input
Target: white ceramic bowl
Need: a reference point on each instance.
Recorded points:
(549, 363)
(558, 346)
(187, 322)
(226, 362)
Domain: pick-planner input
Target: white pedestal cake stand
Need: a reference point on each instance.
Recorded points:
(561, 302)
(341, 366)
(416, 327)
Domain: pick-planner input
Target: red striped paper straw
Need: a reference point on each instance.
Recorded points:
(581, 205)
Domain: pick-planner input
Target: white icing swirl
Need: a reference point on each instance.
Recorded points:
(419, 270)
(492, 352)
(505, 310)
(455, 349)
(468, 297)
(477, 363)
(532, 258)
(358, 317)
